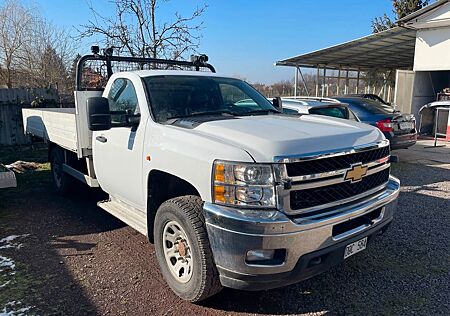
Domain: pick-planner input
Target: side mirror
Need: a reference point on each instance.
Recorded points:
(133, 120)
(277, 104)
(99, 117)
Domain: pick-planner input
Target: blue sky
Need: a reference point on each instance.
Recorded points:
(246, 37)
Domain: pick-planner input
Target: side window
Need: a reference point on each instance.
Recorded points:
(122, 100)
(233, 96)
(352, 116)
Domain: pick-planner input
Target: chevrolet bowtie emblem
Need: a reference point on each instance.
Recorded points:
(356, 173)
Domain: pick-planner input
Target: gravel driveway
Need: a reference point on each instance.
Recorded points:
(77, 259)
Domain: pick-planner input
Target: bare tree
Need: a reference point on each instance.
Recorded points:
(135, 30)
(15, 26)
(33, 52)
(47, 57)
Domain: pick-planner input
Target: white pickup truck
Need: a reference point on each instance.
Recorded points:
(232, 192)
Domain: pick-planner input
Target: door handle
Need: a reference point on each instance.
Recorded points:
(101, 139)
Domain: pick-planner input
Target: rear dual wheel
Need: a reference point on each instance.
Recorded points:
(183, 250)
(62, 182)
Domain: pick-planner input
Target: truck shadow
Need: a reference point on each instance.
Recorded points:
(399, 273)
(49, 222)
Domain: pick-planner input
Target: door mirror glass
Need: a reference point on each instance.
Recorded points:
(99, 117)
(277, 104)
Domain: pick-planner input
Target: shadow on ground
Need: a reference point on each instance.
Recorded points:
(42, 279)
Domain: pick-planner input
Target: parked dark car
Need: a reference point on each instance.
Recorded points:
(369, 96)
(399, 128)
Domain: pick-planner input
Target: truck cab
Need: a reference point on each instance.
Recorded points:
(231, 191)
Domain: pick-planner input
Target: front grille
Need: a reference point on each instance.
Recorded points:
(335, 163)
(302, 199)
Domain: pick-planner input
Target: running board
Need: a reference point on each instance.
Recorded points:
(80, 176)
(127, 214)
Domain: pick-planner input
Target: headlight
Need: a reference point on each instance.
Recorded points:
(244, 184)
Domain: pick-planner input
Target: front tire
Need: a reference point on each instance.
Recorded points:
(183, 250)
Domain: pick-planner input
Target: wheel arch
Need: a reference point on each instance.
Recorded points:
(162, 186)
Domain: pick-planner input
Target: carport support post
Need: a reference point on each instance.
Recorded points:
(338, 81)
(324, 80)
(317, 81)
(296, 81)
(389, 93)
(346, 82)
(357, 82)
(303, 80)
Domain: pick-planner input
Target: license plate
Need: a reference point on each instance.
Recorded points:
(355, 247)
(406, 125)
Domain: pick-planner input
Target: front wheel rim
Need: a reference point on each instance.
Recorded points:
(177, 252)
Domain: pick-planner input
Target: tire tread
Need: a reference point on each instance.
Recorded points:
(192, 206)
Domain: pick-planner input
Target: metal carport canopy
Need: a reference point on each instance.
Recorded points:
(391, 49)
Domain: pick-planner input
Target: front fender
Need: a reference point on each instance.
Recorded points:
(187, 155)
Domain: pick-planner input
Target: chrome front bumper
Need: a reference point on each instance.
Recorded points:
(232, 232)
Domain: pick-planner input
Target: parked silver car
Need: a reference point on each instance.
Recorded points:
(320, 106)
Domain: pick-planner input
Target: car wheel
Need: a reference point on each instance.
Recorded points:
(183, 249)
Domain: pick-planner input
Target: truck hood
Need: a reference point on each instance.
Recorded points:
(268, 136)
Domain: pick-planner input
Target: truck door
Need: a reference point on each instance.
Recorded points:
(118, 152)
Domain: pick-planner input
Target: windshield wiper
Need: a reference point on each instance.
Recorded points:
(261, 111)
(202, 113)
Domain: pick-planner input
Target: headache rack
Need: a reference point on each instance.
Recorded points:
(93, 71)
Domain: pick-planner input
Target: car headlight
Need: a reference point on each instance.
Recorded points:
(243, 184)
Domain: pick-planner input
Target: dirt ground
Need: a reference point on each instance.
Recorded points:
(76, 259)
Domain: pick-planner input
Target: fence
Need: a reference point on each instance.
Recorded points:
(11, 125)
(12, 101)
(26, 96)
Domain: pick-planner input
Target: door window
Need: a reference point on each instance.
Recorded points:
(235, 96)
(122, 100)
(352, 116)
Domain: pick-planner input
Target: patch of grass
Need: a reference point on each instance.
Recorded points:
(31, 179)
(25, 181)
(10, 154)
(20, 288)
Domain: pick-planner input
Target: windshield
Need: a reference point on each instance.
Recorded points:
(183, 96)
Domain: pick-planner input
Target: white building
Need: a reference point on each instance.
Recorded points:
(431, 68)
